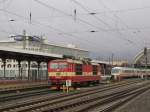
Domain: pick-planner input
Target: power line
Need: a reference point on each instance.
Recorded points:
(117, 17)
(111, 11)
(71, 34)
(124, 10)
(93, 14)
(83, 7)
(62, 12)
(48, 26)
(69, 15)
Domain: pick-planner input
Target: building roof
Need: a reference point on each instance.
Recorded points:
(12, 53)
(62, 46)
(7, 41)
(66, 47)
(102, 62)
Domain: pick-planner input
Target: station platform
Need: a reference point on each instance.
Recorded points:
(4, 84)
(140, 104)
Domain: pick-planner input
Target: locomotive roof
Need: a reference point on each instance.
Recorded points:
(127, 68)
(123, 68)
(74, 61)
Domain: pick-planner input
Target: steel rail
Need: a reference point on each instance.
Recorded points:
(35, 105)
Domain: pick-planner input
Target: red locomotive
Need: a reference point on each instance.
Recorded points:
(79, 72)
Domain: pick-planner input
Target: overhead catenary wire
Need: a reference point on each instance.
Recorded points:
(69, 33)
(115, 15)
(118, 18)
(60, 32)
(125, 10)
(112, 29)
(62, 12)
(78, 16)
(34, 22)
(123, 23)
(83, 7)
(76, 2)
(69, 15)
(110, 11)
(94, 14)
(79, 19)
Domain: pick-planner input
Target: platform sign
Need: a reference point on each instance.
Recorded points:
(68, 83)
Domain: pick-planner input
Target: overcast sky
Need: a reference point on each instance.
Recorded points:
(103, 27)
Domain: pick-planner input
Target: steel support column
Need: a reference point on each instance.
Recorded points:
(4, 65)
(47, 70)
(38, 73)
(29, 63)
(19, 67)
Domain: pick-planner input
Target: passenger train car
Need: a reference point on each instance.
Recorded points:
(119, 73)
(79, 72)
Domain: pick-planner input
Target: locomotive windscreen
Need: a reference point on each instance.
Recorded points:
(60, 65)
(115, 71)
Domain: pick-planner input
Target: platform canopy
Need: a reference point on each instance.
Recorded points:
(101, 62)
(142, 59)
(21, 54)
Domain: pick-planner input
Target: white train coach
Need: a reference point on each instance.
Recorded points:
(119, 73)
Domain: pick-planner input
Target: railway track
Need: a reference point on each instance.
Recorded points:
(18, 95)
(108, 104)
(22, 88)
(39, 91)
(84, 103)
(59, 102)
(7, 94)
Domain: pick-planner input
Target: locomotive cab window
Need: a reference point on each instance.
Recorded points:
(58, 65)
(78, 69)
(115, 71)
(95, 70)
(63, 65)
(54, 65)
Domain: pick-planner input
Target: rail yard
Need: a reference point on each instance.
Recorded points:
(101, 98)
(72, 85)
(74, 56)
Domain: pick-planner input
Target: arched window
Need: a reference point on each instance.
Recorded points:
(9, 66)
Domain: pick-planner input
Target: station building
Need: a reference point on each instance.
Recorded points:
(35, 44)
